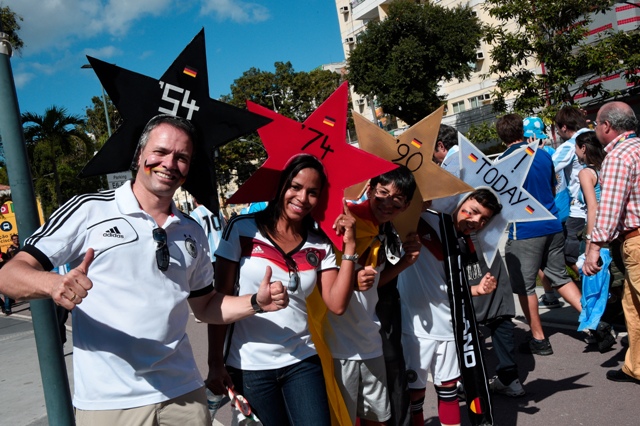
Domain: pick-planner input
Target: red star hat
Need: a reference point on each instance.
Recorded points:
(323, 135)
(183, 90)
(413, 149)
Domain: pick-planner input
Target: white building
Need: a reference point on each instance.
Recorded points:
(469, 101)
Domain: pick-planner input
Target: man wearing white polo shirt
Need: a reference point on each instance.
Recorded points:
(138, 265)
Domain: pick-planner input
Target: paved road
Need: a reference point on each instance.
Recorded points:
(568, 387)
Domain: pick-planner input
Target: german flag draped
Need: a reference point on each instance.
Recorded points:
(367, 231)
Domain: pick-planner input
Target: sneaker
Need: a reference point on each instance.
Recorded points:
(514, 389)
(604, 336)
(544, 302)
(589, 337)
(537, 347)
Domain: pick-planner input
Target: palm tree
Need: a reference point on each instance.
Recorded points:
(52, 140)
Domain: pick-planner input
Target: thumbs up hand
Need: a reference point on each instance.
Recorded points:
(72, 287)
(272, 296)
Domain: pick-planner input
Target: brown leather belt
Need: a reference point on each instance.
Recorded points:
(631, 234)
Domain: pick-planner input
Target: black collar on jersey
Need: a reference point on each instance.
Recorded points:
(182, 90)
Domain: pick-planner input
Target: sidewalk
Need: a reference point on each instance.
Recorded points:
(21, 389)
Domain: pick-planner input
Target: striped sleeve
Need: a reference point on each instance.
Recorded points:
(61, 239)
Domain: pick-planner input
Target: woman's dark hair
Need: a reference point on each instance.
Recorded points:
(401, 178)
(594, 152)
(268, 218)
(487, 199)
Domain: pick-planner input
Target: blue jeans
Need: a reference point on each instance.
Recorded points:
(292, 395)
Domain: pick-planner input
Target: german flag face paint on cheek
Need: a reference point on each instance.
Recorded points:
(148, 167)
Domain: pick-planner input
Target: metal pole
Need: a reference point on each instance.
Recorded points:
(106, 111)
(53, 369)
(273, 99)
(104, 102)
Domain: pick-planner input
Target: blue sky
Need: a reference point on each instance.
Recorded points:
(145, 36)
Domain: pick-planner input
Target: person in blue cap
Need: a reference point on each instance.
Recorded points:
(534, 128)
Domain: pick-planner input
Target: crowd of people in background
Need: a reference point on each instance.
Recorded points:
(10, 252)
(312, 321)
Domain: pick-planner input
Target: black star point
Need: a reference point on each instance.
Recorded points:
(183, 90)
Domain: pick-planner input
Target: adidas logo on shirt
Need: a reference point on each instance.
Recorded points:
(113, 232)
(257, 249)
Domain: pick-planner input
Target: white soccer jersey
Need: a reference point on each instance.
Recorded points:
(274, 339)
(423, 287)
(130, 344)
(355, 335)
(212, 226)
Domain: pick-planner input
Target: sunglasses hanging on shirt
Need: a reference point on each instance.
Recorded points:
(162, 250)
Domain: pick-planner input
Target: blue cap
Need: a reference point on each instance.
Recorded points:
(534, 128)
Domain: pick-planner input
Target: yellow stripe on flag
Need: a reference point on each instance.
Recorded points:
(329, 121)
(190, 72)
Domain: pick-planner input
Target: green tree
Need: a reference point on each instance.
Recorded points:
(10, 26)
(57, 151)
(4, 178)
(402, 59)
(293, 94)
(553, 36)
(483, 134)
(96, 124)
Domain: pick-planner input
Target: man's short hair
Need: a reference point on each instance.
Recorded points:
(622, 118)
(173, 120)
(510, 128)
(571, 117)
(401, 178)
(448, 136)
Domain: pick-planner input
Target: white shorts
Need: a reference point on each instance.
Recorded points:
(423, 356)
(363, 384)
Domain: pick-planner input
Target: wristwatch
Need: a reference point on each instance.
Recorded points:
(352, 257)
(587, 237)
(254, 304)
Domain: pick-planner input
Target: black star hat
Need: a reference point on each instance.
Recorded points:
(183, 90)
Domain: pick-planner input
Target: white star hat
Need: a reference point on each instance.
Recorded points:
(505, 177)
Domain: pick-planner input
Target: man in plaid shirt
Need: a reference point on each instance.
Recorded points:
(619, 217)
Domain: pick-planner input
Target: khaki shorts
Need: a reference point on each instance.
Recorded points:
(191, 406)
(363, 384)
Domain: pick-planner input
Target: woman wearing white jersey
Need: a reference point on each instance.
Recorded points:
(271, 359)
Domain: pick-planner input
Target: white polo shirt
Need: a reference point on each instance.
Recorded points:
(129, 334)
(274, 339)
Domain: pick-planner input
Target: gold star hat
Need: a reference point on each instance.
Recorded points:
(413, 149)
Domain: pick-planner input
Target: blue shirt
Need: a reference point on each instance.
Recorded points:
(540, 183)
